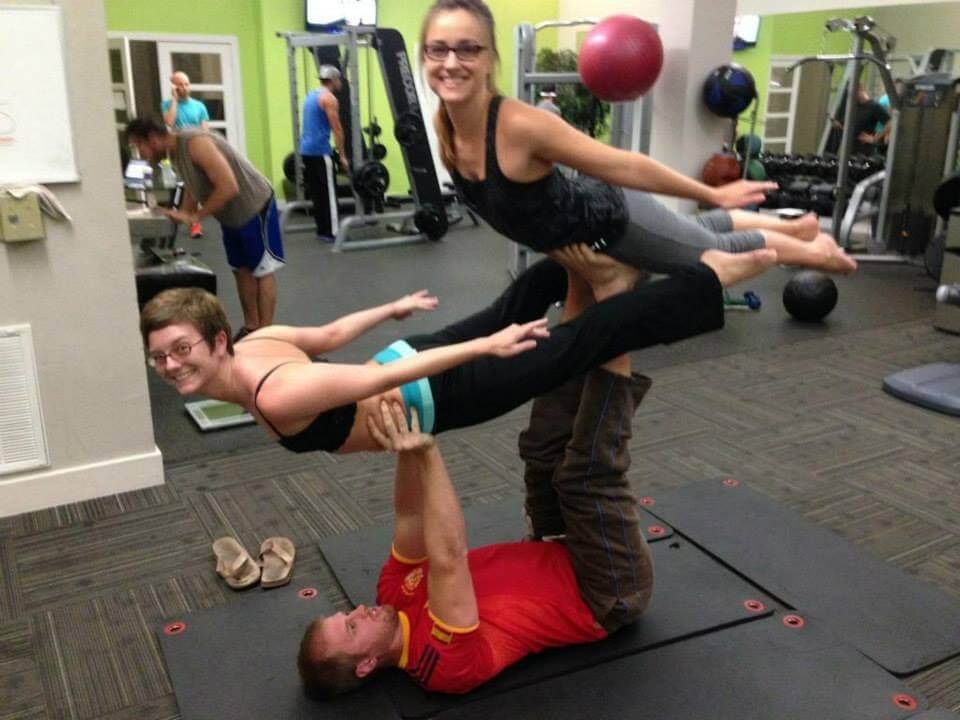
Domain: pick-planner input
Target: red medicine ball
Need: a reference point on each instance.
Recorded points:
(621, 58)
(721, 169)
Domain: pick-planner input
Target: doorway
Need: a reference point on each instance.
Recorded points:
(141, 65)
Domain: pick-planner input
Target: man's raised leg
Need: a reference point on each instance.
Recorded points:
(610, 556)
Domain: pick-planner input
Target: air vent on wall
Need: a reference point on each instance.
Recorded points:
(22, 442)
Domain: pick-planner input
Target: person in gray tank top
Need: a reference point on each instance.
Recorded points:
(221, 183)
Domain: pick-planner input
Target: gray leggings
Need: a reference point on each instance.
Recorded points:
(661, 240)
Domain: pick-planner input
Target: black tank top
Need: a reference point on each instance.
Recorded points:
(328, 431)
(546, 214)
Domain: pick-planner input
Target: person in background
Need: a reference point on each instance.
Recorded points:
(868, 115)
(321, 118)
(219, 182)
(180, 112)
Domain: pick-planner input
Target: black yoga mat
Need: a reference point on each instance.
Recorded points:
(892, 617)
(762, 670)
(239, 661)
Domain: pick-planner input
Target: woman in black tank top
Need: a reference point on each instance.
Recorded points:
(503, 156)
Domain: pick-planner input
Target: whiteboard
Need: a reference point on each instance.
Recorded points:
(36, 138)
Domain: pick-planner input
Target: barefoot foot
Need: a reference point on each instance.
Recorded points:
(830, 257)
(605, 275)
(732, 268)
(806, 227)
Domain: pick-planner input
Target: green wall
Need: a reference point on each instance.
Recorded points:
(263, 62)
(797, 34)
(206, 17)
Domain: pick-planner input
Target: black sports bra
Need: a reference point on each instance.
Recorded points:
(328, 431)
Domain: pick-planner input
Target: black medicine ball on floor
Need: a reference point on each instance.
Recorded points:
(810, 296)
(729, 90)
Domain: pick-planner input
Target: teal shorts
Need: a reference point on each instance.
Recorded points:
(416, 394)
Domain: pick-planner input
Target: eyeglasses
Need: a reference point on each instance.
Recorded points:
(465, 51)
(180, 351)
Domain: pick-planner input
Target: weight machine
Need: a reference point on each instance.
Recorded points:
(922, 146)
(370, 178)
(629, 122)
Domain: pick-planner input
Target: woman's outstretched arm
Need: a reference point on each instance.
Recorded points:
(550, 139)
(322, 339)
(302, 390)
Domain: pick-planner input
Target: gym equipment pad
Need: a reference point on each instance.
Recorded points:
(239, 661)
(892, 617)
(935, 386)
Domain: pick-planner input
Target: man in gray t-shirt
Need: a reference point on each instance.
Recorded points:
(219, 182)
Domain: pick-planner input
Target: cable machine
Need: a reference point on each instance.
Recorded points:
(921, 150)
(370, 178)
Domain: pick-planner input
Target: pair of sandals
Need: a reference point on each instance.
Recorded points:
(239, 570)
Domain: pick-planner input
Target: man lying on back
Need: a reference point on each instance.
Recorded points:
(452, 618)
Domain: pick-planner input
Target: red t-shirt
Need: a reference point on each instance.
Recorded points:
(528, 600)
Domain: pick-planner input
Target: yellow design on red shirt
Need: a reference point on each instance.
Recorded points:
(444, 637)
(412, 581)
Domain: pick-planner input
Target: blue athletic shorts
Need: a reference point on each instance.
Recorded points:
(256, 246)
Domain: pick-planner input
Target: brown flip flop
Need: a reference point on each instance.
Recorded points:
(276, 559)
(234, 563)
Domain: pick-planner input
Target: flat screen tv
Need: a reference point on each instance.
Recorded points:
(746, 28)
(330, 14)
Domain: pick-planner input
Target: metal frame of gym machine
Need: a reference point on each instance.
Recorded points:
(353, 38)
(844, 208)
(625, 132)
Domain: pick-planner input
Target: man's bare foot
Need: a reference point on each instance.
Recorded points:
(830, 257)
(605, 275)
(732, 268)
(805, 227)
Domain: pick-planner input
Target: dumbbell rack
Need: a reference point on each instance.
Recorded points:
(428, 219)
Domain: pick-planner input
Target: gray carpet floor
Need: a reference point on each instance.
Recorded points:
(794, 411)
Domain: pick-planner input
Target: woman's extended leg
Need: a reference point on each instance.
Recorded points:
(660, 240)
(805, 227)
(678, 307)
(526, 298)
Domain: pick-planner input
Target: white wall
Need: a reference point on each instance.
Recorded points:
(76, 290)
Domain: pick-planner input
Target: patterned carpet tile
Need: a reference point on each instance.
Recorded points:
(929, 492)
(926, 430)
(844, 448)
(941, 684)
(21, 688)
(162, 708)
(79, 562)
(86, 512)
(11, 599)
(693, 458)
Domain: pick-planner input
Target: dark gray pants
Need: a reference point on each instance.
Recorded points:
(586, 494)
(660, 240)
